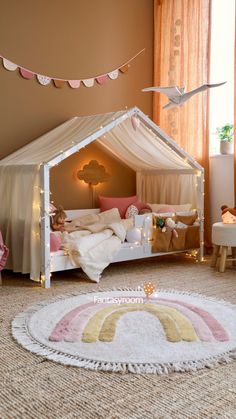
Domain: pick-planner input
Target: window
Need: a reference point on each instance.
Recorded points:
(222, 68)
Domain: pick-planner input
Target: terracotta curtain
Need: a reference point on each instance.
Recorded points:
(181, 58)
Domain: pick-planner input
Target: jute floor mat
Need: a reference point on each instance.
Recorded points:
(34, 387)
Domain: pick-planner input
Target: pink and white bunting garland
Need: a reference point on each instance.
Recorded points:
(9, 65)
(74, 84)
(44, 80)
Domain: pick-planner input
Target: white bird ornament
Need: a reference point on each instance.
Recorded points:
(177, 95)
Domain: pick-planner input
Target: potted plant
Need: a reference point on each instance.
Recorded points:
(225, 134)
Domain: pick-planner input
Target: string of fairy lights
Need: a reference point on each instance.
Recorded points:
(44, 195)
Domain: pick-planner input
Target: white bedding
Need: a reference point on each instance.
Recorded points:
(94, 247)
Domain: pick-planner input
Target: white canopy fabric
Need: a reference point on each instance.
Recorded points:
(167, 188)
(24, 174)
(19, 217)
(61, 139)
(141, 149)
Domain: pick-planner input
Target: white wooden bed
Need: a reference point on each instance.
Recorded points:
(60, 260)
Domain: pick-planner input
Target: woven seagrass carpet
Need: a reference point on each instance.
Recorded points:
(34, 387)
(129, 331)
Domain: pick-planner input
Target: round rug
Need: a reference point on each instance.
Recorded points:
(123, 331)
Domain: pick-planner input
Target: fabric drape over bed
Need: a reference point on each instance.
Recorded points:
(19, 217)
(24, 177)
(141, 149)
(168, 188)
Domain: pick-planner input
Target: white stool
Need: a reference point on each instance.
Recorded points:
(224, 236)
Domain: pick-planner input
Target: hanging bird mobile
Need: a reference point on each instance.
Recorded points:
(177, 95)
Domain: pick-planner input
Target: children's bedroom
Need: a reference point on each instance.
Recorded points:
(117, 215)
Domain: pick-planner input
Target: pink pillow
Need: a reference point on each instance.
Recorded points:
(122, 203)
(166, 208)
(55, 242)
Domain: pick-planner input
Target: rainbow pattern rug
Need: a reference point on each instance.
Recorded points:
(123, 331)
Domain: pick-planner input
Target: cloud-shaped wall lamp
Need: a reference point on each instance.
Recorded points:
(93, 173)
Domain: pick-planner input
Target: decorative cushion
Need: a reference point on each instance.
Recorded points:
(166, 208)
(55, 242)
(122, 203)
(106, 217)
(181, 207)
(85, 220)
(134, 235)
(109, 216)
(131, 211)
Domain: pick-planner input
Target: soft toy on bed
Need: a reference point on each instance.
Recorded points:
(170, 223)
(160, 222)
(228, 215)
(58, 219)
(164, 223)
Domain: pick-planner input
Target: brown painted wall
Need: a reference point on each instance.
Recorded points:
(74, 193)
(74, 39)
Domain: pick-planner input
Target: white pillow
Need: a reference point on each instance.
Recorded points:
(180, 207)
(85, 220)
(164, 214)
(127, 223)
(186, 213)
(171, 214)
(105, 217)
(109, 216)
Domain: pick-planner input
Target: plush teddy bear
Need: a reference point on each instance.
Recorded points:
(228, 215)
(170, 223)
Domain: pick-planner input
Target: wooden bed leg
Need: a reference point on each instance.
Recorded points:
(223, 258)
(234, 255)
(215, 254)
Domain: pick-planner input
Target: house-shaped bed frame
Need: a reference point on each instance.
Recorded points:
(24, 178)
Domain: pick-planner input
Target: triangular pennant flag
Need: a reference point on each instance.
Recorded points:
(102, 79)
(26, 74)
(88, 82)
(44, 80)
(59, 83)
(9, 65)
(113, 74)
(124, 68)
(74, 83)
